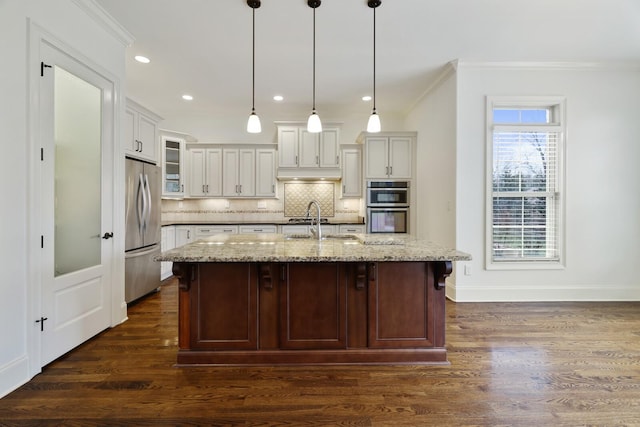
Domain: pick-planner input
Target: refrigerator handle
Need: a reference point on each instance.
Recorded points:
(141, 202)
(147, 218)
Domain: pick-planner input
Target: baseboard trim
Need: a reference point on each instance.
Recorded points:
(13, 375)
(602, 293)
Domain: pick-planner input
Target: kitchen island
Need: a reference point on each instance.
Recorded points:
(276, 299)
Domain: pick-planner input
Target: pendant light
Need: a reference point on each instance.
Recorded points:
(253, 124)
(373, 125)
(313, 124)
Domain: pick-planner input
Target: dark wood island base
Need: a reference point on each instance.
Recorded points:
(252, 313)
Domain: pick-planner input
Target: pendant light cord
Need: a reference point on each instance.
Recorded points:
(253, 60)
(314, 58)
(374, 59)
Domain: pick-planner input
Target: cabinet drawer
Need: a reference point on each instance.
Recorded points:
(352, 228)
(270, 228)
(216, 229)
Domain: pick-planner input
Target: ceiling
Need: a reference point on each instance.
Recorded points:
(203, 48)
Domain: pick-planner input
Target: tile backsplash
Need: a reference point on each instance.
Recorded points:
(292, 202)
(297, 196)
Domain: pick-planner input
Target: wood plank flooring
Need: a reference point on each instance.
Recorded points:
(512, 364)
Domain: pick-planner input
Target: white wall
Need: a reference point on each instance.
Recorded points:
(434, 118)
(602, 192)
(67, 22)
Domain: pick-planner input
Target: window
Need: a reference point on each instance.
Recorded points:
(524, 210)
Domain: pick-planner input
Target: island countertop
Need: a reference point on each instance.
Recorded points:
(301, 248)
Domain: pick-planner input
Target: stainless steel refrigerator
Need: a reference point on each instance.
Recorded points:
(142, 240)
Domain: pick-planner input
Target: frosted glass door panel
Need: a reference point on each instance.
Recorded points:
(77, 135)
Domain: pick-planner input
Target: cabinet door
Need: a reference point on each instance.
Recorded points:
(329, 149)
(213, 172)
(131, 132)
(147, 134)
(265, 173)
(247, 173)
(351, 173)
(224, 307)
(400, 157)
(376, 158)
(184, 235)
(230, 171)
(172, 167)
(313, 306)
(399, 305)
(197, 172)
(288, 147)
(308, 149)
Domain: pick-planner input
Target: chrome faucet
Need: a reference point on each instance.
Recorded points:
(315, 230)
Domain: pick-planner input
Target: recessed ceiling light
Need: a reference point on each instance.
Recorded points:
(187, 97)
(142, 59)
(278, 98)
(366, 98)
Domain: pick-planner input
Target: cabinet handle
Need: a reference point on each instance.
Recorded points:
(141, 146)
(182, 188)
(386, 170)
(265, 277)
(240, 188)
(337, 159)
(361, 276)
(273, 188)
(296, 159)
(344, 188)
(317, 160)
(207, 188)
(188, 234)
(390, 170)
(203, 189)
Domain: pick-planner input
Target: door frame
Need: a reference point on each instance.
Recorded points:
(115, 162)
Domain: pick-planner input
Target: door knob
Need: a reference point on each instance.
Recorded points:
(107, 236)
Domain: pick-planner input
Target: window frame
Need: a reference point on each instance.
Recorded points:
(559, 125)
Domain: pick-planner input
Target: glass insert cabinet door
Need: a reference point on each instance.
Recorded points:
(77, 174)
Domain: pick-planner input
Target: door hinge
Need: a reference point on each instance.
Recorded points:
(42, 67)
(42, 242)
(41, 321)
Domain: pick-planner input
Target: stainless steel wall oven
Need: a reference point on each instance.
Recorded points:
(388, 206)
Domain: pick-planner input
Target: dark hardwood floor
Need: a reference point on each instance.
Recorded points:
(512, 364)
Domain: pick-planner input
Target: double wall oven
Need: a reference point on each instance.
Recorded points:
(388, 206)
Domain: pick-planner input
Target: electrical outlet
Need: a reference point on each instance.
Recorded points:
(262, 204)
(467, 270)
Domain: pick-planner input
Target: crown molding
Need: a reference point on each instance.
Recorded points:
(549, 65)
(106, 21)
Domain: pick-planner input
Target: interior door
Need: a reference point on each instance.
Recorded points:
(76, 110)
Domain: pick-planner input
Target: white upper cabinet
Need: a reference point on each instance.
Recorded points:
(265, 172)
(141, 132)
(389, 157)
(172, 166)
(305, 154)
(239, 172)
(288, 147)
(231, 170)
(351, 172)
(205, 177)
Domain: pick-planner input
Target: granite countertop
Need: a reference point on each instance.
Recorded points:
(301, 248)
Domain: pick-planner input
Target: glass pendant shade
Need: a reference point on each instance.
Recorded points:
(373, 126)
(313, 124)
(253, 124)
